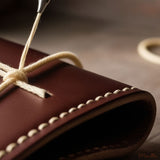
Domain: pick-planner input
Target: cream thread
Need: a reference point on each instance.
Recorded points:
(90, 101)
(107, 94)
(64, 114)
(72, 110)
(2, 153)
(19, 77)
(22, 139)
(81, 106)
(32, 132)
(43, 126)
(116, 91)
(10, 147)
(144, 52)
(52, 120)
(98, 98)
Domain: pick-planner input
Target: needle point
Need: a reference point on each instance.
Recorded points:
(42, 4)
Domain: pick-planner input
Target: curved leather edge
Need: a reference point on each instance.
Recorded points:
(76, 118)
(109, 153)
(103, 106)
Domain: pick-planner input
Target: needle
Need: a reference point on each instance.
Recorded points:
(42, 4)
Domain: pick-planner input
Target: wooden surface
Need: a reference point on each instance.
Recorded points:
(105, 46)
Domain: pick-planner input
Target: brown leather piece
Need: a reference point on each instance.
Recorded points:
(21, 111)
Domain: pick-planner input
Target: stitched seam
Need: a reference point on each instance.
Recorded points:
(90, 151)
(52, 120)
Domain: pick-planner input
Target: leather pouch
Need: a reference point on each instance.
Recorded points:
(89, 117)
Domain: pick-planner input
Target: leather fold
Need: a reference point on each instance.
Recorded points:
(88, 117)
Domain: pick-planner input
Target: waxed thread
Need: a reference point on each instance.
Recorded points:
(19, 76)
(144, 52)
(10, 147)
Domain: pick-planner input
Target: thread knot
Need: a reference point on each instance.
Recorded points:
(16, 75)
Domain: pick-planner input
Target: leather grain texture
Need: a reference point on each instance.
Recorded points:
(20, 111)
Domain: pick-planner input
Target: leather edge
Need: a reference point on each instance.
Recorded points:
(139, 95)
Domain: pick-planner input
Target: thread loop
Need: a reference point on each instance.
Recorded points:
(16, 75)
(19, 76)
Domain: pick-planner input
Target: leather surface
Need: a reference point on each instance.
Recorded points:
(21, 111)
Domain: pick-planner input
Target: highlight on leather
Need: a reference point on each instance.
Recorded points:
(89, 116)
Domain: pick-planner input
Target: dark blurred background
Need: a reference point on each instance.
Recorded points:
(103, 33)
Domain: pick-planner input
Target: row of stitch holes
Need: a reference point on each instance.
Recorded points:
(87, 151)
(108, 94)
(89, 102)
(82, 152)
(42, 126)
(91, 150)
(30, 134)
(33, 132)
